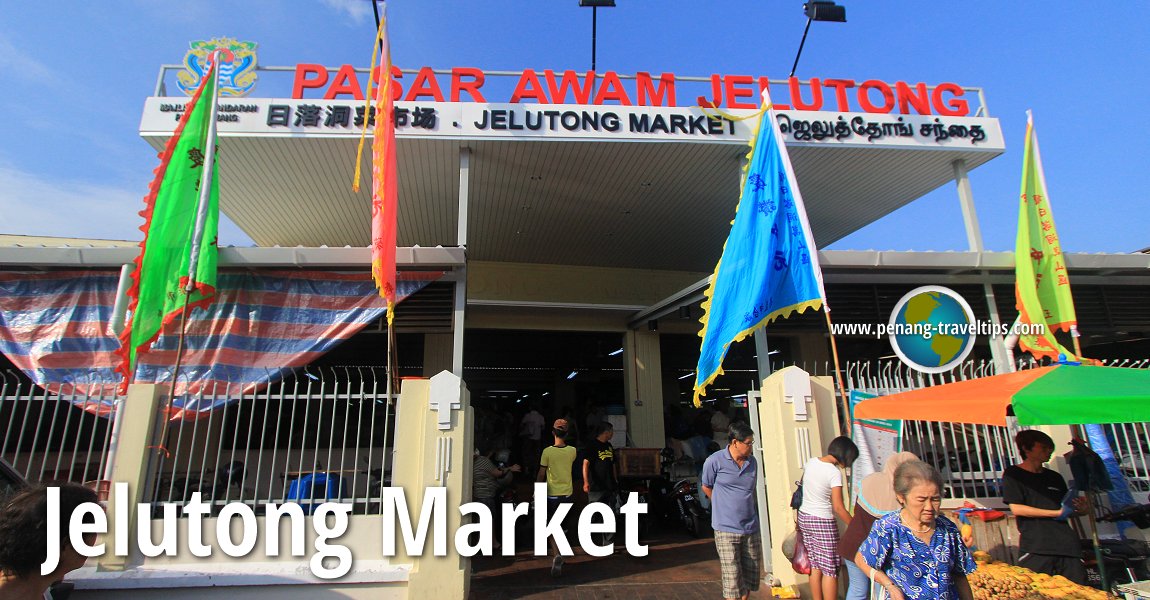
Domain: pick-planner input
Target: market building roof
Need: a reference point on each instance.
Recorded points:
(648, 187)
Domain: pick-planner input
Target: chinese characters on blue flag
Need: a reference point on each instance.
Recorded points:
(769, 267)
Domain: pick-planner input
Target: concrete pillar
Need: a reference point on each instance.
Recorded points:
(137, 429)
(437, 349)
(797, 418)
(434, 447)
(643, 378)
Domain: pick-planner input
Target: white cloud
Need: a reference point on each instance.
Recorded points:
(31, 204)
(358, 10)
(21, 65)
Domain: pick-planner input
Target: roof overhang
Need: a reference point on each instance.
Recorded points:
(42, 257)
(591, 185)
(872, 266)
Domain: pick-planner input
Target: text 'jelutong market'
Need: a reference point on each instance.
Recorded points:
(571, 120)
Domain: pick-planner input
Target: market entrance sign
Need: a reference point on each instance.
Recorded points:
(468, 84)
(522, 121)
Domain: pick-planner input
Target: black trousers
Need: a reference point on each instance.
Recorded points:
(1069, 567)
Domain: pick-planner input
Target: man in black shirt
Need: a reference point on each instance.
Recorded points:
(1039, 499)
(599, 470)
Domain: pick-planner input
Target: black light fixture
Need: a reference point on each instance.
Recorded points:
(653, 325)
(822, 10)
(595, 4)
(818, 10)
(684, 312)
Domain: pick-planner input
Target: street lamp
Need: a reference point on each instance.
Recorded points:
(818, 10)
(595, 4)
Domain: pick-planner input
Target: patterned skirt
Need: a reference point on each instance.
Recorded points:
(821, 537)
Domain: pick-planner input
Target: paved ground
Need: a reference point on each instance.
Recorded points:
(677, 567)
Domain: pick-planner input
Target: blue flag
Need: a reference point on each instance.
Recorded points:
(770, 266)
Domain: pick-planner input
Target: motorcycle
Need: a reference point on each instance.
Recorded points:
(690, 512)
(1125, 561)
(678, 502)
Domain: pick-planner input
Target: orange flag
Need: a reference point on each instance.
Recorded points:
(384, 189)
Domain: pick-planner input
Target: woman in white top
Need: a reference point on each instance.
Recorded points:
(822, 502)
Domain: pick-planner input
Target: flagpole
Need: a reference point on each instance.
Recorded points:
(1042, 180)
(390, 400)
(392, 352)
(197, 233)
(206, 180)
(844, 406)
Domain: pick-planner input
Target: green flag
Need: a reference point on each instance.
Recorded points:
(162, 268)
(1042, 286)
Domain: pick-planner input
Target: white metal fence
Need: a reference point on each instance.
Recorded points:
(320, 434)
(324, 434)
(54, 437)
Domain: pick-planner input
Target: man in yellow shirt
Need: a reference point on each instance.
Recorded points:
(555, 469)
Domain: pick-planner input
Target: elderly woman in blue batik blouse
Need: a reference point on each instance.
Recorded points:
(916, 553)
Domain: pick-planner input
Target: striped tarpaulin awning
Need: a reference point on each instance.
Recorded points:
(54, 328)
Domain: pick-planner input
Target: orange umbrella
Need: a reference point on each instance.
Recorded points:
(982, 400)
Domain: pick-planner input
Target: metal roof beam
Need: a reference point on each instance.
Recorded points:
(844, 266)
(439, 257)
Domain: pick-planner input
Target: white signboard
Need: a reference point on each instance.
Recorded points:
(473, 120)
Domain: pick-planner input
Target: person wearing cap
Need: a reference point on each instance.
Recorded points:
(555, 468)
(876, 499)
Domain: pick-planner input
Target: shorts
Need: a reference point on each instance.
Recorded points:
(740, 562)
(553, 503)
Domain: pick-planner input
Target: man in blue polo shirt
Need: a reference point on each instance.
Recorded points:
(729, 481)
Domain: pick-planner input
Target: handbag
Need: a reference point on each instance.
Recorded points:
(877, 592)
(801, 561)
(797, 496)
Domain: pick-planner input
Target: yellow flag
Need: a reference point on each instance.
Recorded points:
(1042, 285)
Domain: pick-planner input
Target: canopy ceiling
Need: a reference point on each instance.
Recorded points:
(653, 205)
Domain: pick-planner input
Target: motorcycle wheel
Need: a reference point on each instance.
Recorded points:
(691, 523)
(700, 526)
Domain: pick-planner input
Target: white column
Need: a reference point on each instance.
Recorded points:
(974, 240)
(643, 376)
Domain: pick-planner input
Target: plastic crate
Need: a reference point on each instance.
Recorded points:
(639, 462)
(1133, 591)
(313, 489)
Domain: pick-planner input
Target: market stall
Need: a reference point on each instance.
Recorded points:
(1063, 394)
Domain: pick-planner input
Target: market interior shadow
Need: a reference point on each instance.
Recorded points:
(673, 557)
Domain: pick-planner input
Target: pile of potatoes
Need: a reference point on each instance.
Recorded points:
(994, 580)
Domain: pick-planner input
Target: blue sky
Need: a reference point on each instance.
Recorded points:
(74, 75)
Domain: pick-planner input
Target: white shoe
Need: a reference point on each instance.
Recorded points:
(557, 566)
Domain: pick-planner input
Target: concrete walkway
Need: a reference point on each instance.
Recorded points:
(677, 567)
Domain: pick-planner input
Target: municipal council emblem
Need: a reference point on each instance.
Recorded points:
(237, 66)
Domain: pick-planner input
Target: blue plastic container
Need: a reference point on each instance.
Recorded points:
(313, 489)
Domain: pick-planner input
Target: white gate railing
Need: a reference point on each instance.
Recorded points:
(319, 434)
(54, 436)
(322, 434)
